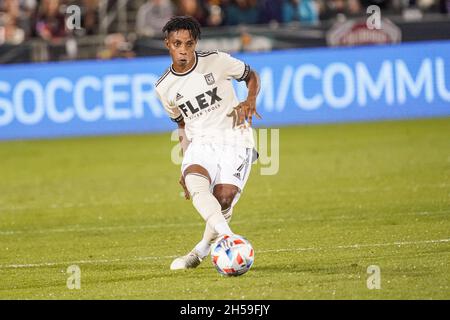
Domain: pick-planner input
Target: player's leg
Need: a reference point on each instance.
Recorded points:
(227, 190)
(228, 194)
(198, 183)
(235, 168)
(225, 194)
(199, 164)
(199, 168)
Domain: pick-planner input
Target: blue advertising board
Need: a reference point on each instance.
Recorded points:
(298, 87)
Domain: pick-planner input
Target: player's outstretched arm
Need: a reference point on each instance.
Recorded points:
(249, 105)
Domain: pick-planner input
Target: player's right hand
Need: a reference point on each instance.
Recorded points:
(246, 110)
(186, 191)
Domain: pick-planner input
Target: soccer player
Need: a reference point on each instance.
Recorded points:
(214, 128)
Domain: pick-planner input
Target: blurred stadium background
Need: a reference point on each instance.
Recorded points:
(345, 195)
(32, 30)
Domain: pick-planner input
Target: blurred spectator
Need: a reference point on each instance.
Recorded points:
(194, 9)
(246, 40)
(254, 43)
(51, 27)
(90, 16)
(426, 5)
(383, 4)
(152, 16)
(411, 11)
(242, 12)
(325, 10)
(27, 21)
(444, 6)
(342, 9)
(338, 6)
(291, 11)
(354, 8)
(10, 33)
(116, 46)
(271, 11)
(305, 11)
(50, 24)
(215, 17)
(22, 11)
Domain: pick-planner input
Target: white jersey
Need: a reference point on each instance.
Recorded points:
(205, 99)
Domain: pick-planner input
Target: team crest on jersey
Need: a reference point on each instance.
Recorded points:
(210, 79)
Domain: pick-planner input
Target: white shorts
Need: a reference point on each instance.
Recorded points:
(225, 164)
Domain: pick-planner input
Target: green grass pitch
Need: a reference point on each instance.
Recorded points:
(346, 196)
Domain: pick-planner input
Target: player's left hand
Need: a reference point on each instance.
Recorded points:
(247, 109)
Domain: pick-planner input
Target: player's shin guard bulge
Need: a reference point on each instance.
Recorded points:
(205, 203)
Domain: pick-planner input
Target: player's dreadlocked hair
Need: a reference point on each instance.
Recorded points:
(183, 23)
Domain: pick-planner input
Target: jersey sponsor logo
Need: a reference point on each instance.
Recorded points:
(210, 79)
(202, 101)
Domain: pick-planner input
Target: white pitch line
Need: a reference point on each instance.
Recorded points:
(106, 261)
(51, 264)
(172, 225)
(357, 246)
(132, 227)
(106, 228)
(69, 205)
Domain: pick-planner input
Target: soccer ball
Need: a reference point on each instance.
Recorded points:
(232, 255)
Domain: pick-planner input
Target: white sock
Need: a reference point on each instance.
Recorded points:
(203, 248)
(223, 228)
(206, 204)
(209, 235)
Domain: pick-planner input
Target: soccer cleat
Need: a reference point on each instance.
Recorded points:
(189, 261)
